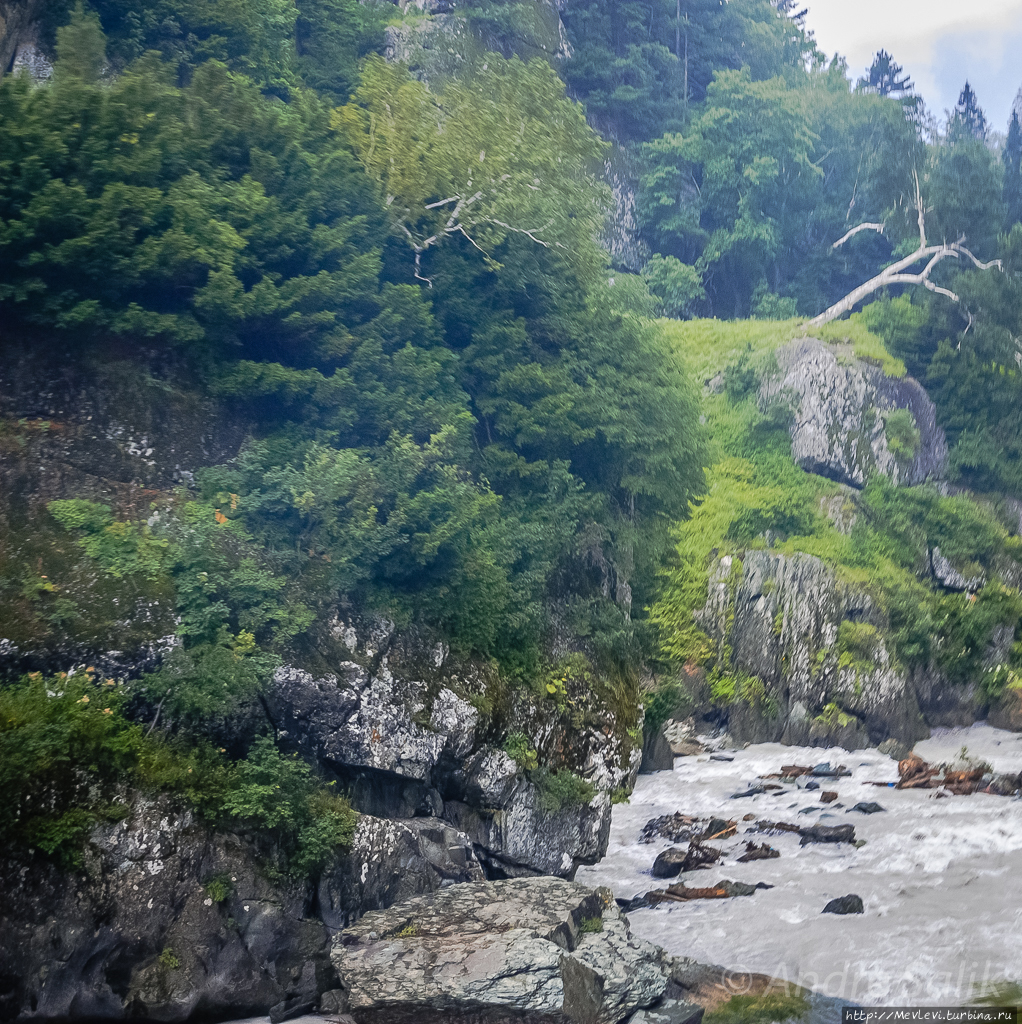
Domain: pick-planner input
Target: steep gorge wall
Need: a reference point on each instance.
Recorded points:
(17, 20)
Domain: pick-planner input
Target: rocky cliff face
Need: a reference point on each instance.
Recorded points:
(840, 414)
(414, 733)
(17, 28)
(400, 724)
(777, 620)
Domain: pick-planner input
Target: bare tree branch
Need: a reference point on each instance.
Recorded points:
(895, 273)
(862, 227)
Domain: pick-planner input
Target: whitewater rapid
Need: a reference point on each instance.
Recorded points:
(941, 878)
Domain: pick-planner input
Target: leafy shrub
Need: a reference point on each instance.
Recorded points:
(859, 643)
(561, 789)
(219, 888)
(279, 795)
(903, 436)
(591, 925)
(167, 960)
(677, 285)
(521, 750)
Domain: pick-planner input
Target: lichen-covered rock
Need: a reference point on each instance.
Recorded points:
(368, 719)
(525, 838)
(139, 933)
(840, 406)
(532, 951)
(621, 233)
(392, 860)
(779, 617)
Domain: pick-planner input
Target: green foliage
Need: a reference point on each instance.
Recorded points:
(66, 747)
(167, 960)
(664, 701)
(278, 795)
(591, 925)
(631, 64)
(902, 434)
(219, 887)
(121, 549)
(865, 343)
(859, 644)
(557, 790)
(520, 749)
(254, 38)
(677, 285)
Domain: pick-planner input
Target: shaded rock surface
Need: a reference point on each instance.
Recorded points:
(135, 933)
(533, 951)
(780, 616)
(392, 860)
(395, 724)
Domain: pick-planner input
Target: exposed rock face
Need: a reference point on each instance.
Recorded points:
(137, 934)
(1007, 711)
(839, 404)
(949, 577)
(17, 27)
(621, 234)
(780, 616)
(389, 724)
(532, 951)
(392, 860)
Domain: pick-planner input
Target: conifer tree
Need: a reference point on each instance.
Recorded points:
(886, 77)
(1012, 159)
(967, 120)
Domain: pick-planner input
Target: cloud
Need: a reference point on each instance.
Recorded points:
(937, 46)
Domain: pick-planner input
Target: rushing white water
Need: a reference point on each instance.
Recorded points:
(941, 878)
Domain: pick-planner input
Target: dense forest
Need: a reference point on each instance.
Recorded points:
(459, 415)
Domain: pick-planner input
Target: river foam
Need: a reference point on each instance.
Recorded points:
(941, 878)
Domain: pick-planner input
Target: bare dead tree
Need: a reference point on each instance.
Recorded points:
(896, 272)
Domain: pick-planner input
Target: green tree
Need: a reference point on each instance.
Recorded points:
(885, 77)
(500, 151)
(1011, 158)
(967, 120)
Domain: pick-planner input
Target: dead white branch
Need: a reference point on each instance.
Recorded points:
(896, 272)
(862, 227)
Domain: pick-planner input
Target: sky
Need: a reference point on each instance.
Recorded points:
(940, 43)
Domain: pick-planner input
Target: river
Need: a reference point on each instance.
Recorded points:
(940, 878)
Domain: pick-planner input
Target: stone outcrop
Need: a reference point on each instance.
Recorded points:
(139, 931)
(779, 617)
(167, 919)
(839, 406)
(392, 860)
(389, 724)
(17, 28)
(531, 951)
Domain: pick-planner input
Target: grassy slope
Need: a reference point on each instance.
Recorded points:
(754, 486)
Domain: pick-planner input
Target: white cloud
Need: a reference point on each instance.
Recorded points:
(934, 42)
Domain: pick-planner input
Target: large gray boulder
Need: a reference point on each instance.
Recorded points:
(531, 951)
(840, 406)
(371, 719)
